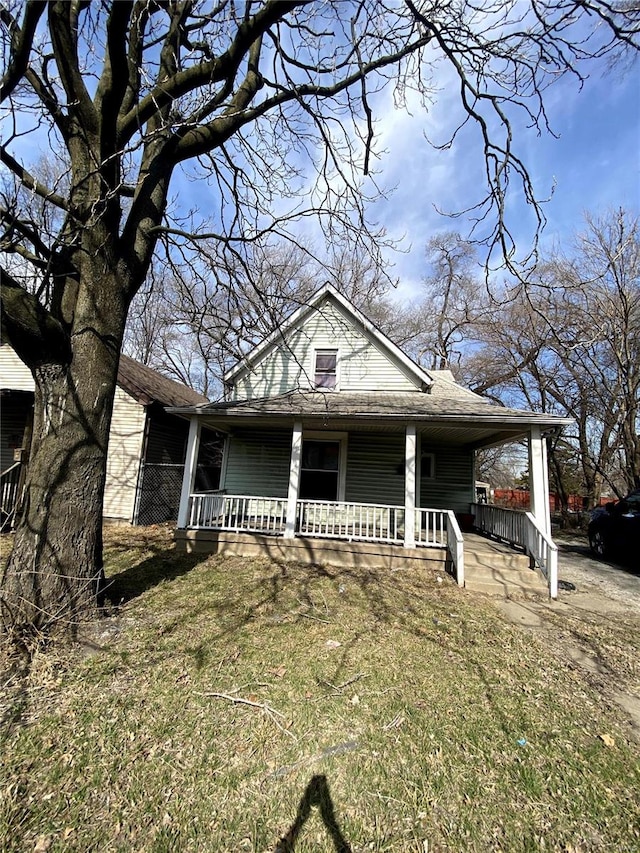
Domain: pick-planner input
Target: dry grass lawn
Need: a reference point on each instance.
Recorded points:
(242, 705)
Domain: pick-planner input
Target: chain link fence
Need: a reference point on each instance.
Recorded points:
(159, 493)
(159, 490)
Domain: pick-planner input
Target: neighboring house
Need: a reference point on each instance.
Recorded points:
(146, 445)
(333, 433)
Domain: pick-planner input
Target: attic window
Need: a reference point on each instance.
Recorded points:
(325, 374)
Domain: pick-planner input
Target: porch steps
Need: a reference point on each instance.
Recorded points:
(496, 569)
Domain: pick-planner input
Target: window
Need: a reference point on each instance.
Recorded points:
(427, 466)
(325, 374)
(319, 470)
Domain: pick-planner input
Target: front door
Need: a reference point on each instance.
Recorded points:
(319, 470)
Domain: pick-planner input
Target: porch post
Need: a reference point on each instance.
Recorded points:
(539, 479)
(294, 480)
(410, 487)
(189, 474)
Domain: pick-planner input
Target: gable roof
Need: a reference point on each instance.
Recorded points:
(327, 292)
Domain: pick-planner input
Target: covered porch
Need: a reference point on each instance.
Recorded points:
(397, 486)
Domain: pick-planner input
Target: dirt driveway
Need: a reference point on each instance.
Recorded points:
(594, 628)
(614, 581)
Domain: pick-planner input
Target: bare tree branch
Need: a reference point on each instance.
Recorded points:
(21, 43)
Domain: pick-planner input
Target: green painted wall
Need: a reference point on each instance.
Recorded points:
(375, 468)
(258, 463)
(452, 486)
(363, 365)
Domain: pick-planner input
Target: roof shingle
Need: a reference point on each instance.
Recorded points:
(148, 386)
(450, 401)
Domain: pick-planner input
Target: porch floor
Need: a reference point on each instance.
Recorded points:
(497, 569)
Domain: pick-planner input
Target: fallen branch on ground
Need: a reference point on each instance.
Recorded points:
(239, 700)
(340, 687)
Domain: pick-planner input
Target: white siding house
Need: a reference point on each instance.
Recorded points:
(139, 425)
(14, 374)
(126, 441)
(333, 434)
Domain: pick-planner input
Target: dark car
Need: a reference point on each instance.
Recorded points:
(615, 530)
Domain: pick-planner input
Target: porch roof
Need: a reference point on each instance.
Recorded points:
(460, 417)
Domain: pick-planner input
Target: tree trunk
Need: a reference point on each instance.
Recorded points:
(55, 568)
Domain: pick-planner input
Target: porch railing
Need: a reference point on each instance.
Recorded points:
(431, 527)
(218, 511)
(455, 543)
(434, 528)
(326, 519)
(206, 509)
(521, 529)
(507, 524)
(341, 520)
(544, 551)
(9, 495)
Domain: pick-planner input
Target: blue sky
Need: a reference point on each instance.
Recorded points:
(594, 166)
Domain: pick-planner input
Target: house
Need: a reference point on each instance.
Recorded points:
(339, 447)
(146, 445)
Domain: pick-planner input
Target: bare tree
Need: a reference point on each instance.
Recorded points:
(454, 303)
(150, 318)
(196, 323)
(568, 343)
(594, 329)
(235, 96)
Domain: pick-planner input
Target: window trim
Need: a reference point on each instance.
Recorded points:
(342, 437)
(432, 473)
(322, 350)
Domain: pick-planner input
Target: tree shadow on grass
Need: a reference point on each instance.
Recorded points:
(263, 594)
(316, 794)
(166, 565)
